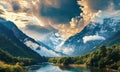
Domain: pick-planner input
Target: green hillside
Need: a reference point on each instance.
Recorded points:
(11, 68)
(102, 58)
(9, 63)
(10, 44)
(14, 55)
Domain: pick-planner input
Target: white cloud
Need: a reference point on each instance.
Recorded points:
(92, 38)
(59, 47)
(68, 50)
(43, 50)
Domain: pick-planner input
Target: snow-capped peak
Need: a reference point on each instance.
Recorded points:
(43, 51)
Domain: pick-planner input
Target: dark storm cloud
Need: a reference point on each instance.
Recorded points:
(15, 6)
(96, 5)
(117, 4)
(66, 10)
(92, 8)
(39, 29)
(54, 13)
(1, 11)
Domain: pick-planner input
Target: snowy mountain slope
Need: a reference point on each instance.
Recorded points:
(53, 40)
(92, 35)
(115, 39)
(43, 50)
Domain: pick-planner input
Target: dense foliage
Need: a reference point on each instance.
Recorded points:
(11, 68)
(8, 58)
(9, 63)
(102, 58)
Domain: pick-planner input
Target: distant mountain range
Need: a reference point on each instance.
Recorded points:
(93, 35)
(53, 40)
(115, 39)
(89, 39)
(38, 47)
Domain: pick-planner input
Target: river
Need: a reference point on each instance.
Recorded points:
(54, 68)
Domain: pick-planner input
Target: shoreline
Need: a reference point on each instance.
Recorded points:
(85, 66)
(77, 65)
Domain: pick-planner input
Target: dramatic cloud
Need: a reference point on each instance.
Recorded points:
(60, 11)
(95, 5)
(63, 16)
(37, 32)
(15, 6)
(45, 14)
(92, 11)
(39, 18)
(92, 8)
(92, 38)
(40, 29)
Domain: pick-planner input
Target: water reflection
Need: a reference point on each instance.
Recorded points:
(53, 68)
(79, 69)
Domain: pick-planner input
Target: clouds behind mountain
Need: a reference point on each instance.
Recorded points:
(63, 16)
(92, 8)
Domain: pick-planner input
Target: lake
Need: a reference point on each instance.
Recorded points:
(54, 68)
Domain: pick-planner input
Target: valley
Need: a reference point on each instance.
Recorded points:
(59, 35)
(18, 49)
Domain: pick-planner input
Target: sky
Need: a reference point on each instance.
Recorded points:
(38, 18)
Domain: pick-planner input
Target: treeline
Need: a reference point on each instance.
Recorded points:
(8, 58)
(11, 68)
(104, 57)
(9, 63)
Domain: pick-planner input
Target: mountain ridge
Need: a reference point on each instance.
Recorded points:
(92, 31)
(26, 39)
(10, 44)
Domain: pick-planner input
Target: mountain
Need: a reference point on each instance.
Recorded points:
(92, 35)
(115, 39)
(53, 40)
(12, 45)
(43, 49)
(38, 47)
(4, 56)
(21, 36)
(10, 59)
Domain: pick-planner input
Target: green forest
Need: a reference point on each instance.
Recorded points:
(104, 57)
(11, 68)
(8, 63)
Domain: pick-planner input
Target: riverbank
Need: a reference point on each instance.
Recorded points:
(50, 67)
(78, 65)
(85, 66)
